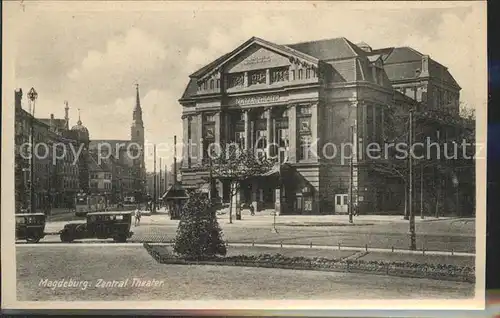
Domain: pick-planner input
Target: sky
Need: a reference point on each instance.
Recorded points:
(93, 53)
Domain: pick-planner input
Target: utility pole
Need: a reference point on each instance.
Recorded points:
(153, 208)
(32, 96)
(160, 191)
(175, 159)
(422, 191)
(351, 174)
(413, 244)
(166, 179)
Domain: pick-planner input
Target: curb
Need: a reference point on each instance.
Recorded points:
(335, 266)
(338, 247)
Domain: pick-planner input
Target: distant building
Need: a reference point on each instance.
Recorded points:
(293, 95)
(128, 155)
(56, 182)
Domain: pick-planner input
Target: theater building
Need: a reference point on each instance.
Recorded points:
(314, 100)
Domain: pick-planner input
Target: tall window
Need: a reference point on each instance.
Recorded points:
(212, 84)
(279, 74)
(304, 128)
(235, 80)
(257, 77)
(300, 74)
(369, 123)
(305, 147)
(261, 139)
(240, 139)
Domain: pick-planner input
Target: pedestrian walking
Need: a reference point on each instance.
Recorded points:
(137, 217)
(252, 210)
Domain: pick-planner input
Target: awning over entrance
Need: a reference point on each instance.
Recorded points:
(274, 171)
(175, 192)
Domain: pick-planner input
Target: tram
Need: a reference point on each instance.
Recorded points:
(87, 203)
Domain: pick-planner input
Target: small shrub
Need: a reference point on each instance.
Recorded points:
(199, 236)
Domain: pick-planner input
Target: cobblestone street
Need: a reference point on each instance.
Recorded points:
(373, 231)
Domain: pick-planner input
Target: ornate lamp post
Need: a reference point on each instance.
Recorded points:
(32, 96)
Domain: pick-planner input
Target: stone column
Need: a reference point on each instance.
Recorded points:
(200, 138)
(277, 201)
(292, 133)
(217, 128)
(246, 115)
(185, 141)
(255, 202)
(268, 77)
(245, 79)
(269, 127)
(314, 132)
(235, 201)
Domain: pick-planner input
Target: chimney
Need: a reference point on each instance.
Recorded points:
(18, 96)
(51, 123)
(425, 66)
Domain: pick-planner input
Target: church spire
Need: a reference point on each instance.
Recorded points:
(79, 120)
(66, 114)
(137, 116)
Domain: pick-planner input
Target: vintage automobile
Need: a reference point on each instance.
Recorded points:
(30, 227)
(101, 225)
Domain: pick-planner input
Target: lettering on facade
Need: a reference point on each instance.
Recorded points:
(257, 60)
(257, 99)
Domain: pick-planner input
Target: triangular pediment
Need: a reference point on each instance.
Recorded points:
(256, 57)
(255, 54)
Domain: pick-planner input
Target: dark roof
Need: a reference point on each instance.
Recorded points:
(402, 63)
(112, 142)
(329, 49)
(175, 191)
(57, 122)
(191, 89)
(403, 55)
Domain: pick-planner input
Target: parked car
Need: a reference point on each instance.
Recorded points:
(101, 225)
(30, 227)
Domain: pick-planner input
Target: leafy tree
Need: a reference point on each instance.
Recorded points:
(199, 235)
(236, 165)
(444, 129)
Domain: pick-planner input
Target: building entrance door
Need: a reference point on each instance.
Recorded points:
(341, 204)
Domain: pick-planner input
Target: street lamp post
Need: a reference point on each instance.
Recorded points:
(351, 181)
(413, 245)
(32, 96)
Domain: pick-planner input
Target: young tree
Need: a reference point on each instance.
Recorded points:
(236, 165)
(199, 235)
(449, 132)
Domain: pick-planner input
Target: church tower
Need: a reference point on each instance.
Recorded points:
(137, 136)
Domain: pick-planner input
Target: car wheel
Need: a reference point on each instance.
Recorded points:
(33, 239)
(120, 239)
(66, 238)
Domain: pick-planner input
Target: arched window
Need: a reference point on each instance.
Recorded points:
(300, 74)
(211, 84)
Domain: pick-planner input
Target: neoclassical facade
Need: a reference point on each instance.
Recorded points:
(316, 102)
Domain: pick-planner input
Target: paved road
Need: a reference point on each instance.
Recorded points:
(374, 231)
(180, 282)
